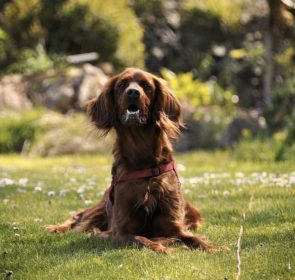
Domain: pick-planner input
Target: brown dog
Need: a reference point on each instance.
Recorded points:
(144, 204)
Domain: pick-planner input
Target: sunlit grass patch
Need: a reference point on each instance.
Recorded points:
(35, 191)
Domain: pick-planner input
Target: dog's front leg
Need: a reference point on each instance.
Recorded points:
(141, 241)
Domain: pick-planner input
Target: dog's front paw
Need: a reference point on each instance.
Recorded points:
(159, 248)
(56, 228)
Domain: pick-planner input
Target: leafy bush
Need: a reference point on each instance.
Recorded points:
(6, 47)
(17, 129)
(69, 27)
(59, 28)
(287, 146)
(32, 61)
(197, 93)
(74, 30)
(40, 133)
(255, 149)
(282, 111)
(228, 11)
(130, 51)
(276, 148)
(67, 134)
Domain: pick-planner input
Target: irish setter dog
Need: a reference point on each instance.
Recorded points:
(144, 204)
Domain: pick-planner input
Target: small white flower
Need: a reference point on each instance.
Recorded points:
(214, 192)
(39, 186)
(87, 202)
(15, 228)
(17, 235)
(6, 182)
(51, 193)
(38, 220)
(80, 170)
(73, 180)
(195, 180)
(225, 193)
(20, 190)
(23, 181)
(5, 200)
(63, 193)
(91, 181)
(181, 167)
(239, 174)
(81, 189)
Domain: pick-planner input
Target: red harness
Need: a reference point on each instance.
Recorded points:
(140, 174)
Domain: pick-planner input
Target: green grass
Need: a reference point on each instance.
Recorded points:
(218, 185)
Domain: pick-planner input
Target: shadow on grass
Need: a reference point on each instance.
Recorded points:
(75, 244)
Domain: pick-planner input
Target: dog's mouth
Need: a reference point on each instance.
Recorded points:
(133, 116)
(133, 109)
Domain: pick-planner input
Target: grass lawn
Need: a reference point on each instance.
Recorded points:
(259, 196)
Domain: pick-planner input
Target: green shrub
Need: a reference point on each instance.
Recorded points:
(69, 27)
(130, 51)
(16, 129)
(276, 148)
(228, 11)
(287, 146)
(197, 93)
(31, 61)
(279, 114)
(6, 48)
(255, 149)
(40, 133)
(67, 134)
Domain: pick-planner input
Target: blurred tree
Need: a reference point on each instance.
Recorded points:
(275, 29)
(130, 51)
(73, 31)
(160, 21)
(61, 29)
(71, 26)
(3, 3)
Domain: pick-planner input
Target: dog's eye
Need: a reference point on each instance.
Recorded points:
(123, 84)
(146, 87)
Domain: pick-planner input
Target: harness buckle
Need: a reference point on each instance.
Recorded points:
(156, 171)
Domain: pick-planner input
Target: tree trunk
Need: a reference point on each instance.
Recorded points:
(275, 27)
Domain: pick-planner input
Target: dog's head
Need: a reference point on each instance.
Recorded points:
(135, 98)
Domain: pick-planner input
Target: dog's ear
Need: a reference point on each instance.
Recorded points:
(166, 102)
(101, 110)
(167, 109)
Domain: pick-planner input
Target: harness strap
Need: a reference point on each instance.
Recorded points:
(140, 174)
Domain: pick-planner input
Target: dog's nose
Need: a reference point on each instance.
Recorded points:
(133, 93)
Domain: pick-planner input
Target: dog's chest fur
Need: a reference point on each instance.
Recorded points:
(145, 199)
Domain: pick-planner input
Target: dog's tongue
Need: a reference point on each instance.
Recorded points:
(132, 109)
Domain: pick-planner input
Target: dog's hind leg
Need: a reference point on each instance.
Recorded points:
(85, 220)
(193, 217)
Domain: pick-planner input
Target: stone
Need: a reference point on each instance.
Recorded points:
(13, 93)
(91, 85)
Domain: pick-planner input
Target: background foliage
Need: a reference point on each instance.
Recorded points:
(223, 59)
